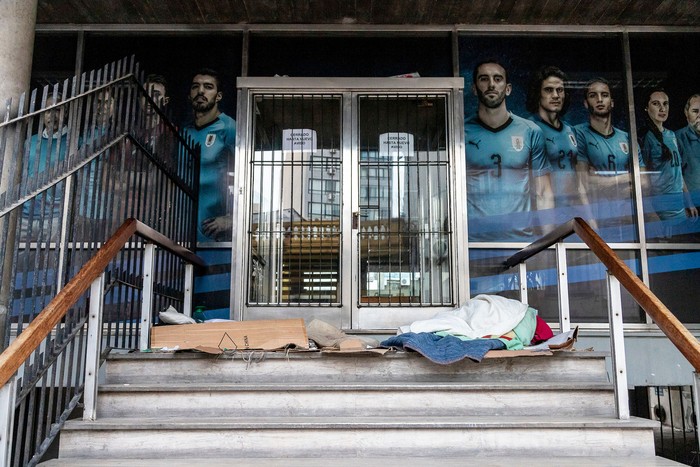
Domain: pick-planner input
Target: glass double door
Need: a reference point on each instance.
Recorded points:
(345, 206)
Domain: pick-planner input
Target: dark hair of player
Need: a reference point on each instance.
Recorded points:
(532, 103)
(156, 79)
(210, 72)
(475, 72)
(666, 154)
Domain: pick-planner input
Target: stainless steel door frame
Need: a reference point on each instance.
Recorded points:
(348, 314)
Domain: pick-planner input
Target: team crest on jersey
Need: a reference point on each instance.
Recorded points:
(624, 147)
(572, 138)
(518, 142)
(211, 139)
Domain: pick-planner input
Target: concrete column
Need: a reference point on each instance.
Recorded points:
(17, 23)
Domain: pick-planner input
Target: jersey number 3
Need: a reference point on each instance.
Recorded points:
(496, 158)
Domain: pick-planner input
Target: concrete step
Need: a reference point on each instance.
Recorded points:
(366, 461)
(278, 367)
(341, 437)
(356, 399)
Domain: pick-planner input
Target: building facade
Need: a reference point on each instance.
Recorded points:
(351, 184)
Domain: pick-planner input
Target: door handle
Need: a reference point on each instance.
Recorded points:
(355, 220)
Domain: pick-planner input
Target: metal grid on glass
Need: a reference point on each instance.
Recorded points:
(404, 237)
(294, 220)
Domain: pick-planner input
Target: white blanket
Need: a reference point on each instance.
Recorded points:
(483, 315)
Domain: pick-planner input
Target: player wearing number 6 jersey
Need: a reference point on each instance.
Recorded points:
(606, 152)
(507, 168)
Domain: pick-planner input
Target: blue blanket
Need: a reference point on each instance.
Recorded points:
(443, 350)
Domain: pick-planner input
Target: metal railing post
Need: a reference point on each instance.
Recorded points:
(617, 348)
(696, 407)
(522, 273)
(147, 303)
(189, 282)
(563, 288)
(67, 194)
(8, 398)
(94, 348)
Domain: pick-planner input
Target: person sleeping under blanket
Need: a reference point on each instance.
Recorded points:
(486, 322)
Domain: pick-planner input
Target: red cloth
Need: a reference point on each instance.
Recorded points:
(542, 332)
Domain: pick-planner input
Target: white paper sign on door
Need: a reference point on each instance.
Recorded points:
(397, 148)
(299, 139)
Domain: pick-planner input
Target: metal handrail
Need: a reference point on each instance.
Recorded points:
(677, 333)
(128, 79)
(112, 161)
(22, 347)
(119, 139)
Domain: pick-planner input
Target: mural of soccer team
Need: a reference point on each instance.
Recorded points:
(516, 166)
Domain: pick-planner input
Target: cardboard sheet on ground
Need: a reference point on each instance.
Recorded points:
(215, 338)
(353, 347)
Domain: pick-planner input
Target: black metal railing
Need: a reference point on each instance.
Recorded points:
(672, 407)
(76, 160)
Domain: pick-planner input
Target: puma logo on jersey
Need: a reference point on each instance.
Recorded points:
(595, 145)
(474, 143)
(551, 140)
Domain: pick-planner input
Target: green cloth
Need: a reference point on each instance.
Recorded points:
(516, 339)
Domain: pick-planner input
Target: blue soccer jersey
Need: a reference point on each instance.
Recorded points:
(217, 140)
(689, 148)
(607, 155)
(609, 184)
(501, 163)
(560, 147)
(45, 152)
(666, 178)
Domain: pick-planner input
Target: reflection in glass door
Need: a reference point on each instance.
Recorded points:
(295, 201)
(403, 227)
(345, 200)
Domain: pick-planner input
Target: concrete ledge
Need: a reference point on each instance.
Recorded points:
(353, 462)
(342, 423)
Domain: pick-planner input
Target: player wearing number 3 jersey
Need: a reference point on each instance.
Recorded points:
(507, 169)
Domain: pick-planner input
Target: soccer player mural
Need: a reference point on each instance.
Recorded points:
(547, 101)
(215, 132)
(670, 198)
(688, 139)
(508, 174)
(606, 152)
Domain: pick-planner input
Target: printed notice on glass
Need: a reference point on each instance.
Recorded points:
(296, 140)
(396, 146)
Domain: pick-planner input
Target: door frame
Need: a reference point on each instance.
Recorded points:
(348, 315)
